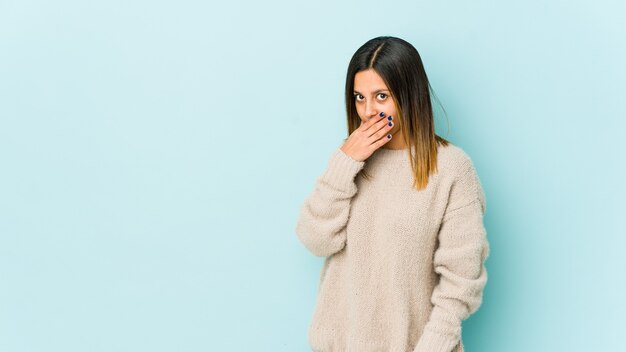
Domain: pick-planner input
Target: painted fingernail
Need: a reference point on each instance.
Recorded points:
(389, 117)
(388, 136)
(390, 123)
(382, 114)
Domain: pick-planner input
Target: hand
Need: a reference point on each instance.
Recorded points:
(368, 137)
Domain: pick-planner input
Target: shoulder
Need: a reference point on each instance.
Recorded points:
(454, 160)
(458, 165)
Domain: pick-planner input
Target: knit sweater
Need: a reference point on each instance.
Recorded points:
(402, 267)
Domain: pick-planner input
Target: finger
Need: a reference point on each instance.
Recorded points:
(382, 136)
(366, 125)
(379, 125)
(386, 137)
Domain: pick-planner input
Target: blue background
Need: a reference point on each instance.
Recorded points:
(154, 156)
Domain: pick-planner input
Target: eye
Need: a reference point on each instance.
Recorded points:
(359, 97)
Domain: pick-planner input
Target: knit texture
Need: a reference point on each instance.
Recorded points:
(402, 267)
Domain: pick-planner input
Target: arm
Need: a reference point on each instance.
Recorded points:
(460, 262)
(321, 226)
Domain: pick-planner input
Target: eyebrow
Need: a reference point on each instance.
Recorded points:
(378, 91)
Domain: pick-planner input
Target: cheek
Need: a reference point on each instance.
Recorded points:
(390, 108)
(360, 111)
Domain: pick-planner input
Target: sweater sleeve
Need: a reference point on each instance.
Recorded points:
(321, 226)
(459, 259)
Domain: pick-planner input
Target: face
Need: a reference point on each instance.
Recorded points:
(371, 97)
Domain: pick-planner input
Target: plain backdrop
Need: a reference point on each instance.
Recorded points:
(154, 156)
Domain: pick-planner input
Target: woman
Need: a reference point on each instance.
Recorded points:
(398, 214)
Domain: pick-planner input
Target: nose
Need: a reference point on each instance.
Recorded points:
(370, 110)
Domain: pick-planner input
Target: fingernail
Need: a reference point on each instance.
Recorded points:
(382, 114)
(389, 117)
(388, 136)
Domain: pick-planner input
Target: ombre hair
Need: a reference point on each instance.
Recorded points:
(400, 66)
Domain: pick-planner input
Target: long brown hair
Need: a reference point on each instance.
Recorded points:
(400, 66)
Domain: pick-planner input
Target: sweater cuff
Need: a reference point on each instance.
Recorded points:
(441, 333)
(432, 341)
(341, 170)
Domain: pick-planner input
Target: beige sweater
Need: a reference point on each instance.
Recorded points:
(403, 268)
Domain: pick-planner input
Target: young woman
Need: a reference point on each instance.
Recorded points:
(398, 216)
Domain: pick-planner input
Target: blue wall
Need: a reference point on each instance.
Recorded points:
(154, 157)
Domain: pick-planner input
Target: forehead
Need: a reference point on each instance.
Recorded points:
(368, 81)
